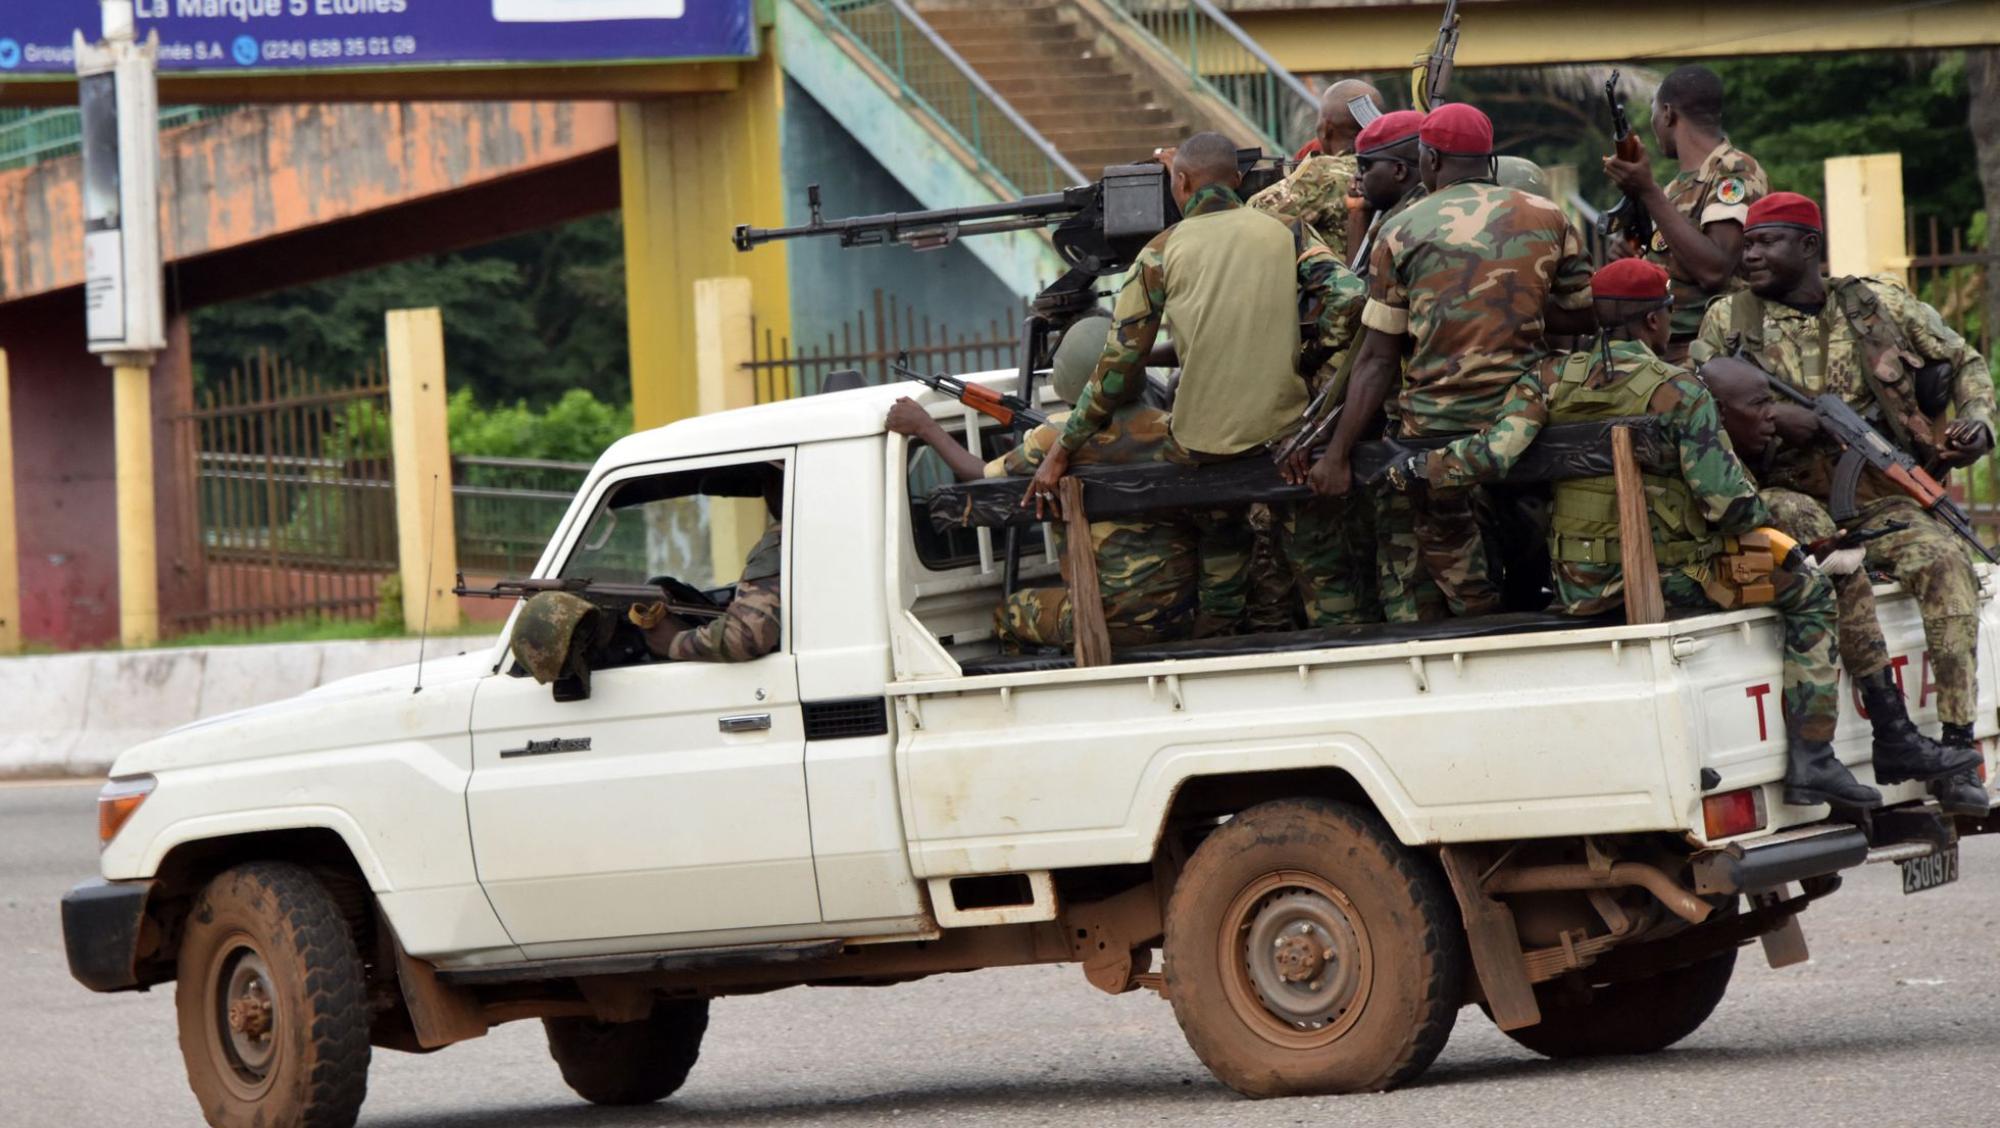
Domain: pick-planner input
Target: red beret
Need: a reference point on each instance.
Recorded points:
(1458, 130)
(1390, 129)
(1631, 280)
(1784, 209)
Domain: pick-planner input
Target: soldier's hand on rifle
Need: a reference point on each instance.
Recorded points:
(907, 418)
(1041, 492)
(1965, 442)
(1619, 247)
(1331, 476)
(1296, 468)
(1634, 178)
(658, 625)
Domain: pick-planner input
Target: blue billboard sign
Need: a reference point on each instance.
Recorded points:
(306, 35)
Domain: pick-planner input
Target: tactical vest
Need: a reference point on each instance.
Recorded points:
(1888, 361)
(1583, 525)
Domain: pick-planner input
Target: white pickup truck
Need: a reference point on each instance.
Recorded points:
(1336, 840)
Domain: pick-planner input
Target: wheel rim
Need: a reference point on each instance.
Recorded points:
(1298, 966)
(247, 1019)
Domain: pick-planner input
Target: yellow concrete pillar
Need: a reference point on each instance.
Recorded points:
(722, 310)
(10, 548)
(1865, 232)
(138, 571)
(426, 533)
(692, 167)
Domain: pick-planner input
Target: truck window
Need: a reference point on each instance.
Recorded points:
(695, 526)
(952, 548)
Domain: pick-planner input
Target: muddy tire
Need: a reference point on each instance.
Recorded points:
(1642, 1016)
(1307, 951)
(272, 1002)
(629, 1063)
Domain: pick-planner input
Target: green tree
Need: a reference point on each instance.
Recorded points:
(527, 318)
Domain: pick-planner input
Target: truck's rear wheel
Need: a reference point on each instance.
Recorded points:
(1639, 1016)
(629, 1063)
(272, 1002)
(1307, 951)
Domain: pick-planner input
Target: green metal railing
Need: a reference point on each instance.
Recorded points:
(941, 85)
(1222, 58)
(30, 136)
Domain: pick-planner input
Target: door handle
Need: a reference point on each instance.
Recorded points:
(745, 722)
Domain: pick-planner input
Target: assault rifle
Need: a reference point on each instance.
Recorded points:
(1863, 446)
(613, 597)
(1004, 408)
(1431, 74)
(1628, 216)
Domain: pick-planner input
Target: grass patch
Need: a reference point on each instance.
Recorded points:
(308, 629)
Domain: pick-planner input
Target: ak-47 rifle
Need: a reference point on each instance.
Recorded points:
(1628, 217)
(613, 597)
(1004, 408)
(1863, 446)
(1431, 74)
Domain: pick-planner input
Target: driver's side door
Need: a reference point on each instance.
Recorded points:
(669, 808)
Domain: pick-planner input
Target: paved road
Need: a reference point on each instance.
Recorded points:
(1896, 1019)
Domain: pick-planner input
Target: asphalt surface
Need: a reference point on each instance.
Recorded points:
(1895, 1021)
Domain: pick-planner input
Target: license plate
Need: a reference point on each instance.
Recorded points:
(1941, 868)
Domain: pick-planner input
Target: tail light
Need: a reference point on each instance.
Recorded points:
(1733, 812)
(117, 802)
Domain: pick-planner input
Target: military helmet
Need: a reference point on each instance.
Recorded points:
(553, 633)
(1522, 173)
(1076, 356)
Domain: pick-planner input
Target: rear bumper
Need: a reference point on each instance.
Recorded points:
(1787, 856)
(103, 923)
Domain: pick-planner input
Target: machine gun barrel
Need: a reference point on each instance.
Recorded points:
(925, 229)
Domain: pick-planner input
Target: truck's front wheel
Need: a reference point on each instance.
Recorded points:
(1307, 951)
(1639, 1016)
(272, 1002)
(629, 1063)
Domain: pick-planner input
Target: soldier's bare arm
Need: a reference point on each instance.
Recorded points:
(1374, 376)
(907, 417)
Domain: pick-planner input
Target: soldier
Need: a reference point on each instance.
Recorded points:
(1320, 190)
(1749, 416)
(1857, 338)
(1690, 513)
(1468, 277)
(1330, 541)
(751, 626)
(1698, 217)
(1147, 565)
(1228, 279)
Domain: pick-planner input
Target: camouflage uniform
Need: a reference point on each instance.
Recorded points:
(1721, 190)
(1315, 193)
(1863, 651)
(751, 627)
(1864, 338)
(1727, 504)
(1147, 566)
(1222, 410)
(1465, 272)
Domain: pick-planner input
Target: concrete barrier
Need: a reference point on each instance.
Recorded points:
(72, 714)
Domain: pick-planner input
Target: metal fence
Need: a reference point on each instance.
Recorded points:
(941, 85)
(1222, 58)
(507, 508)
(30, 136)
(869, 342)
(289, 496)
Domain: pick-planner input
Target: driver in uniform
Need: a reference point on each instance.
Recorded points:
(750, 627)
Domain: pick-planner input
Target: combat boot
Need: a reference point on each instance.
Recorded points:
(1962, 793)
(1814, 775)
(1901, 752)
